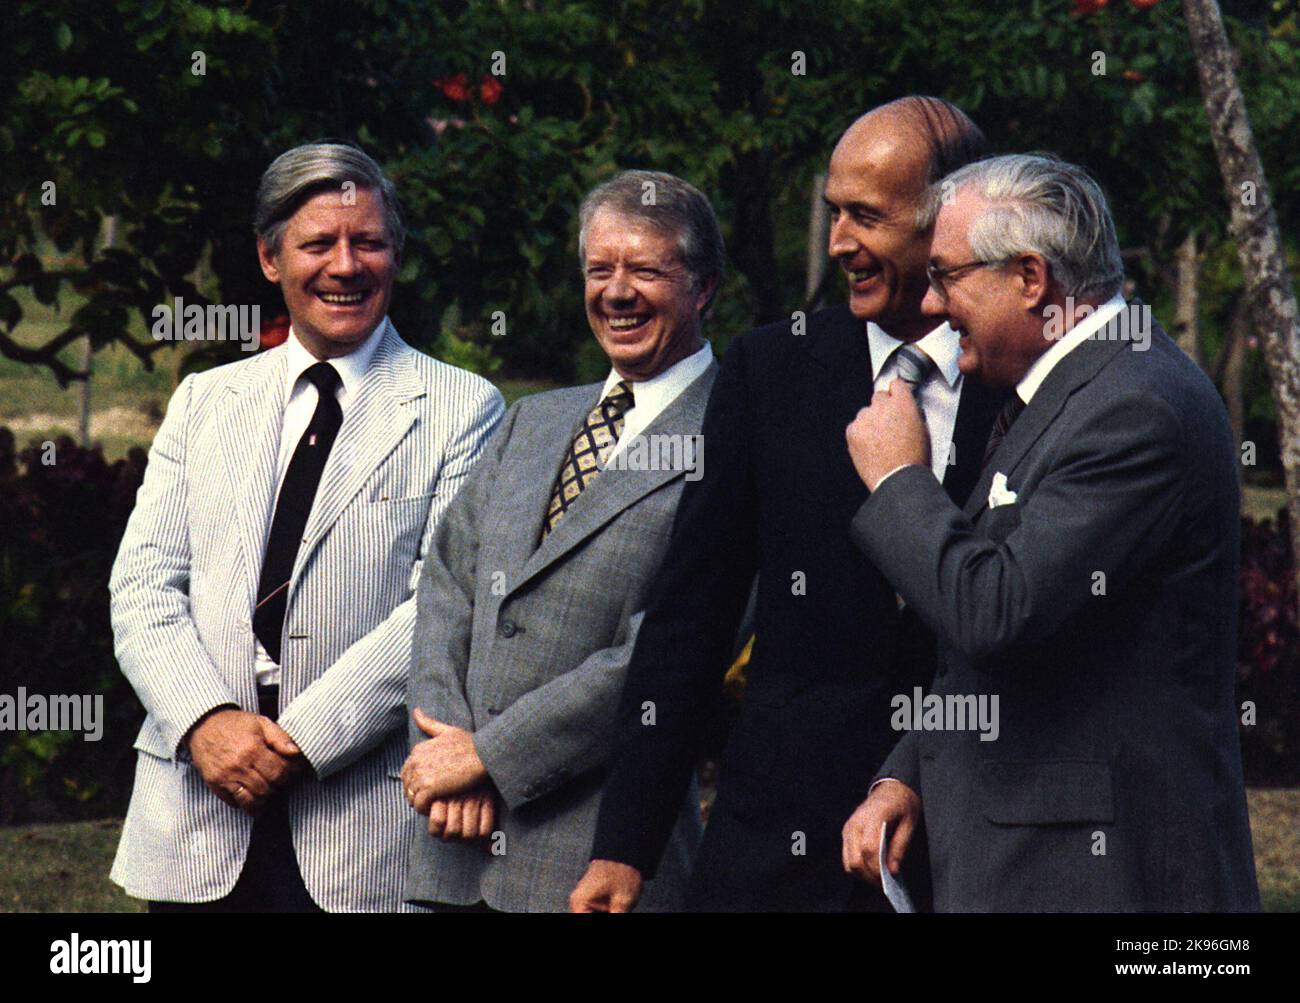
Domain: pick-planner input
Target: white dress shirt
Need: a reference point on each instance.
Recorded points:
(300, 400)
(651, 397)
(1073, 338)
(938, 397)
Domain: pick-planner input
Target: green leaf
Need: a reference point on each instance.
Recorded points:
(63, 37)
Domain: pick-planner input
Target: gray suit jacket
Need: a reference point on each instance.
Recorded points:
(527, 646)
(183, 589)
(1100, 607)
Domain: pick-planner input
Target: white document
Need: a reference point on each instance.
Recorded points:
(895, 890)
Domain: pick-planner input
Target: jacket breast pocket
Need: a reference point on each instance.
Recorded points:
(396, 524)
(1046, 793)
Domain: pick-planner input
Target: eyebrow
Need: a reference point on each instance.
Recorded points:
(865, 208)
(333, 235)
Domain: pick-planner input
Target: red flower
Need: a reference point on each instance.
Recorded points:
(489, 89)
(1082, 8)
(1145, 4)
(274, 332)
(454, 87)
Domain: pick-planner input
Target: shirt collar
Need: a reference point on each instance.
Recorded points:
(1072, 339)
(351, 367)
(942, 345)
(667, 385)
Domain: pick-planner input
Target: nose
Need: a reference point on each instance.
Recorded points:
(619, 289)
(840, 243)
(933, 305)
(343, 262)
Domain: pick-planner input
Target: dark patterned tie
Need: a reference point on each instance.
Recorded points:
(597, 436)
(1001, 425)
(293, 506)
(914, 367)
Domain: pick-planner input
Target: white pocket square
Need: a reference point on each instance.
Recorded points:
(999, 493)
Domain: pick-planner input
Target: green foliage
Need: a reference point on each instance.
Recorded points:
(744, 99)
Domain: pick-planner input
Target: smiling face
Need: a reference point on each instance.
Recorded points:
(995, 310)
(640, 303)
(876, 179)
(336, 268)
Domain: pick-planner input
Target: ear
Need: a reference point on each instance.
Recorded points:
(705, 294)
(1035, 278)
(267, 260)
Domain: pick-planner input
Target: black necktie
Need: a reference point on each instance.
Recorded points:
(293, 506)
(1001, 425)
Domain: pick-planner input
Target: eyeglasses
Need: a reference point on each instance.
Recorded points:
(939, 276)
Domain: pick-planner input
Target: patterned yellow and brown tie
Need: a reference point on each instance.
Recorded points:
(591, 446)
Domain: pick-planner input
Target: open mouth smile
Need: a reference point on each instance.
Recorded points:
(344, 299)
(630, 323)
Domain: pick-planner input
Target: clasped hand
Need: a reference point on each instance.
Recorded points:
(244, 757)
(444, 779)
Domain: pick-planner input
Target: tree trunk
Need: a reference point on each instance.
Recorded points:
(1269, 293)
(1186, 298)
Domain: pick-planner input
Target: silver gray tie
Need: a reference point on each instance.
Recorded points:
(914, 367)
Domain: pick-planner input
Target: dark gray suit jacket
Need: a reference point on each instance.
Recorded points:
(1115, 692)
(527, 646)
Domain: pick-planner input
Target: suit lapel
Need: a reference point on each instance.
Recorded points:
(374, 424)
(616, 490)
(250, 447)
(529, 485)
(1071, 373)
(841, 349)
(976, 409)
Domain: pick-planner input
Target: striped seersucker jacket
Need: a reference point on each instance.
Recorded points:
(183, 589)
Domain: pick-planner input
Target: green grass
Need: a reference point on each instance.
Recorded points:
(61, 868)
(64, 868)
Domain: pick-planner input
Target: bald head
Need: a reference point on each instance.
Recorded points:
(922, 139)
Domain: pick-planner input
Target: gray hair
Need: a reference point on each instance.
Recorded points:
(1042, 204)
(671, 206)
(298, 174)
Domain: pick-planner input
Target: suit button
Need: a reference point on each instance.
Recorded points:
(508, 628)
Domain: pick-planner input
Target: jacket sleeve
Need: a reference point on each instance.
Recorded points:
(444, 616)
(154, 637)
(1109, 504)
(361, 698)
(683, 647)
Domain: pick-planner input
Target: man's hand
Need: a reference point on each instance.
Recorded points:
(467, 816)
(889, 433)
(447, 763)
(243, 757)
(891, 801)
(608, 886)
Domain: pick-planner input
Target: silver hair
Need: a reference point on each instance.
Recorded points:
(671, 206)
(298, 174)
(1042, 204)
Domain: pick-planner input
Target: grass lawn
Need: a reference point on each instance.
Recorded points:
(64, 868)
